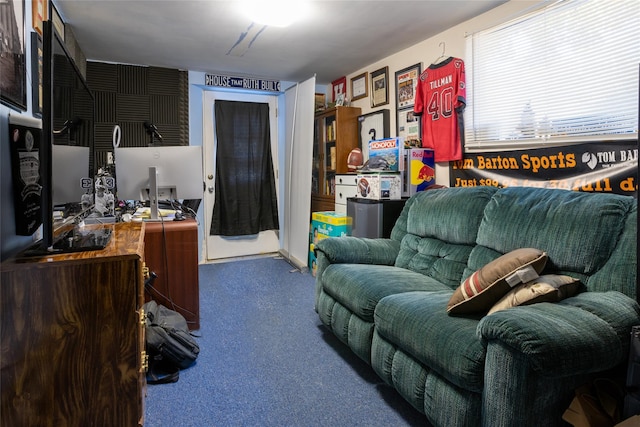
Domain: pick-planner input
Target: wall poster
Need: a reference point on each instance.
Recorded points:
(24, 136)
(13, 68)
(406, 84)
(607, 167)
(409, 126)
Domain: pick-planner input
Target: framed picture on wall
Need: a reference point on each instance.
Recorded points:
(380, 87)
(13, 67)
(58, 23)
(372, 126)
(39, 13)
(406, 84)
(339, 87)
(320, 101)
(408, 126)
(36, 74)
(359, 87)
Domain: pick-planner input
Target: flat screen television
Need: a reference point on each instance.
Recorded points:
(159, 173)
(66, 151)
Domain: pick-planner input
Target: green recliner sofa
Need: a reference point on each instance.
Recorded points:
(387, 300)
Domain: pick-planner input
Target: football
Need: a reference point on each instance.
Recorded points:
(363, 187)
(355, 159)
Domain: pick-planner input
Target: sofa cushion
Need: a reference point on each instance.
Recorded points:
(418, 324)
(547, 288)
(578, 231)
(481, 290)
(435, 258)
(441, 228)
(359, 287)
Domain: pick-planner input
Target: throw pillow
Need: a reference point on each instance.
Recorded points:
(547, 288)
(480, 291)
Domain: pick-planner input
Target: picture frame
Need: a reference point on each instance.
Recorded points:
(359, 88)
(13, 67)
(406, 85)
(58, 23)
(39, 14)
(374, 125)
(408, 126)
(36, 74)
(320, 102)
(380, 87)
(339, 86)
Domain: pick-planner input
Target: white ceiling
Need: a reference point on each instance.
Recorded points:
(339, 37)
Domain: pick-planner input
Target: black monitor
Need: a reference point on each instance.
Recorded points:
(67, 139)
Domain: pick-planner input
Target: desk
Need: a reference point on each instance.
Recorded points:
(171, 251)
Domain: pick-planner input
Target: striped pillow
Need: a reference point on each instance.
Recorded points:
(480, 291)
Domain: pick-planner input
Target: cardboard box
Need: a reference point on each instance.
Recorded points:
(325, 225)
(331, 223)
(388, 151)
(419, 170)
(379, 185)
(634, 421)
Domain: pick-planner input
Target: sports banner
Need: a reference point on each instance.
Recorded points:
(610, 167)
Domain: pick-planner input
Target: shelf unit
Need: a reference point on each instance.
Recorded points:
(335, 135)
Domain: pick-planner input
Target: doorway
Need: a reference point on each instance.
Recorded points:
(220, 247)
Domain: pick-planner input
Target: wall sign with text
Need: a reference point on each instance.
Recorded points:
(609, 167)
(237, 82)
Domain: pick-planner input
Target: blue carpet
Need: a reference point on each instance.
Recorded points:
(266, 360)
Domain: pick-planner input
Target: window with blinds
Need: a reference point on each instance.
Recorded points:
(567, 72)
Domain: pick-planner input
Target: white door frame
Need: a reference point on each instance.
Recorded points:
(219, 247)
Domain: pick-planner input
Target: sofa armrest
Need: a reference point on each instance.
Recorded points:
(359, 250)
(583, 334)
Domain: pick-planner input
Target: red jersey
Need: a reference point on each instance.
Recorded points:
(440, 99)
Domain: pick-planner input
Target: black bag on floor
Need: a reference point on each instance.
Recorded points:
(169, 344)
(632, 397)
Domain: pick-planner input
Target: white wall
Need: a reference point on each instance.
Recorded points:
(427, 51)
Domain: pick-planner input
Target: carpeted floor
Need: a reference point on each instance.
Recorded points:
(265, 360)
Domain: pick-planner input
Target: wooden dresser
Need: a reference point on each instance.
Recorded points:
(73, 337)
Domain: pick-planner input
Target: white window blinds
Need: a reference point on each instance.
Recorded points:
(567, 72)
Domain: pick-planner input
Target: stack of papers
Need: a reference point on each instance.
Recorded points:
(145, 213)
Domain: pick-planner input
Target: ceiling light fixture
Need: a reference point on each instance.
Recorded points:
(274, 13)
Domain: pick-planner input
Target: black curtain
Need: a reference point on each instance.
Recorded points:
(245, 193)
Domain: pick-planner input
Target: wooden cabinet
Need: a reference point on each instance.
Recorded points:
(335, 135)
(73, 338)
(171, 251)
